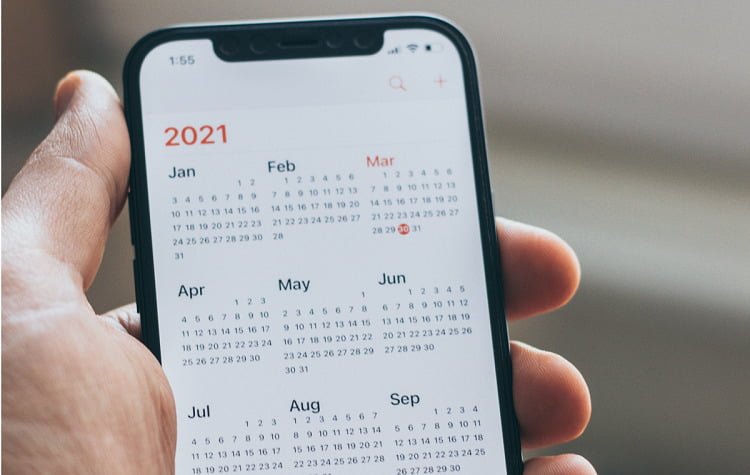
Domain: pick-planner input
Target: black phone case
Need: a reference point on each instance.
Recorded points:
(143, 262)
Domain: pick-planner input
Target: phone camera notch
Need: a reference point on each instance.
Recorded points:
(262, 42)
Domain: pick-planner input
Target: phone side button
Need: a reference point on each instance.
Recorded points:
(136, 279)
(131, 214)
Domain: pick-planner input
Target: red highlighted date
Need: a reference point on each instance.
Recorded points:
(195, 135)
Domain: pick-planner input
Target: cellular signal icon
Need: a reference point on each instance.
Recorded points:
(395, 50)
(412, 47)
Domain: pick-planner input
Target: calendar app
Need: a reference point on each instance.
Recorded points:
(320, 284)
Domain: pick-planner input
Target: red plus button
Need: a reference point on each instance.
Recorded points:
(440, 81)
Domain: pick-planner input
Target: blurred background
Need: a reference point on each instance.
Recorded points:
(622, 126)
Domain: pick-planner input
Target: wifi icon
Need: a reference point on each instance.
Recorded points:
(412, 47)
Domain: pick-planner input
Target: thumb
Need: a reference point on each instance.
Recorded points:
(71, 189)
(125, 318)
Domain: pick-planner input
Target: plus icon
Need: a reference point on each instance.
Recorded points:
(440, 81)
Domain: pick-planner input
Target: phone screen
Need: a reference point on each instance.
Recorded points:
(320, 281)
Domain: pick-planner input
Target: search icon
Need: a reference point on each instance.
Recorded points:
(396, 83)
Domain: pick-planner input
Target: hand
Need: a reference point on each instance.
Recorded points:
(81, 394)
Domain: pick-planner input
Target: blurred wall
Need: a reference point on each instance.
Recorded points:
(622, 126)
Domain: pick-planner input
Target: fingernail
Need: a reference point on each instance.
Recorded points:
(65, 91)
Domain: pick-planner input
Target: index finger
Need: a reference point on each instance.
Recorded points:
(540, 271)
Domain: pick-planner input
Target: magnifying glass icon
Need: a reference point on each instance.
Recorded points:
(396, 83)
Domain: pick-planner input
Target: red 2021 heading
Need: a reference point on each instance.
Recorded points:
(195, 135)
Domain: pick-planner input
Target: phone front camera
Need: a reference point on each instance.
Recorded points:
(260, 45)
(364, 40)
(334, 40)
(229, 47)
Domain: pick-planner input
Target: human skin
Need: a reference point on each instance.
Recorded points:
(82, 394)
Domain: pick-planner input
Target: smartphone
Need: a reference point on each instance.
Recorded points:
(316, 262)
